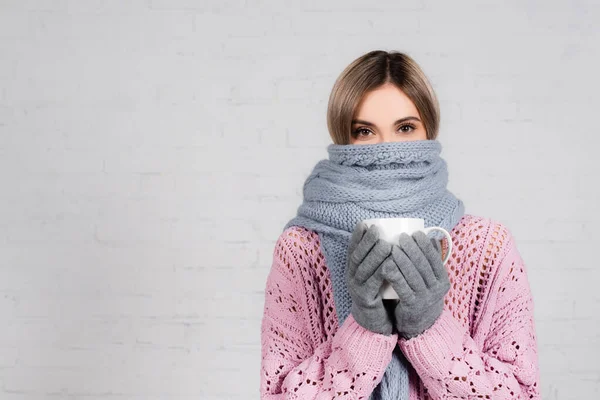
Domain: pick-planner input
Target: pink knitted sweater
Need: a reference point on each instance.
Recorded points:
(483, 346)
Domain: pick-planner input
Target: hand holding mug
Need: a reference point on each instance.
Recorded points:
(421, 281)
(367, 259)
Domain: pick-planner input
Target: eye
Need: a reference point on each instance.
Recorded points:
(364, 132)
(411, 126)
(359, 131)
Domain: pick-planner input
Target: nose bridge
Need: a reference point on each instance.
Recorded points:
(387, 137)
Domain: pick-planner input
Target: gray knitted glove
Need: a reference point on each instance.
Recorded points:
(421, 281)
(364, 277)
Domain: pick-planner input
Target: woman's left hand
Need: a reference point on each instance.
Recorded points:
(421, 281)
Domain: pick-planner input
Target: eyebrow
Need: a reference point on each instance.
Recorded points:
(360, 121)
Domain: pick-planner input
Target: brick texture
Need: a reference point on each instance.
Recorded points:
(151, 152)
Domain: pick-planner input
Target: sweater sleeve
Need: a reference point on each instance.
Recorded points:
(347, 364)
(453, 366)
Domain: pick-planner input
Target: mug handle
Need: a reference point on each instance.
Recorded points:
(445, 232)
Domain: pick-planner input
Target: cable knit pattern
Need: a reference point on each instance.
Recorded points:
(482, 346)
(378, 157)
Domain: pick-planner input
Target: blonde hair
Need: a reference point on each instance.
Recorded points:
(371, 71)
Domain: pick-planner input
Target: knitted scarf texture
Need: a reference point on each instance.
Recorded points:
(383, 180)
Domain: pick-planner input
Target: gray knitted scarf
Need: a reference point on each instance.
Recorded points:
(390, 179)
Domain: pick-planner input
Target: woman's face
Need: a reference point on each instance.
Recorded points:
(386, 115)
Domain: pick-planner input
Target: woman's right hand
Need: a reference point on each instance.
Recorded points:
(367, 256)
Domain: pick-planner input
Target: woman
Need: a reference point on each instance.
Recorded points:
(463, 330)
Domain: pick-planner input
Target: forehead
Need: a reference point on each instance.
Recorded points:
(385, 103)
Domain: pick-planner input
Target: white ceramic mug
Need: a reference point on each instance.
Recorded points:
(390, 230)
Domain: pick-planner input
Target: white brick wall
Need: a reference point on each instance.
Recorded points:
(152, 150)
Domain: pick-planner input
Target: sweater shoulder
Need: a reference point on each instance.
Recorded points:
(492, 237)
(480, 244)
(299, 237)
(303, 246)
(488, 242)
(315, 278)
